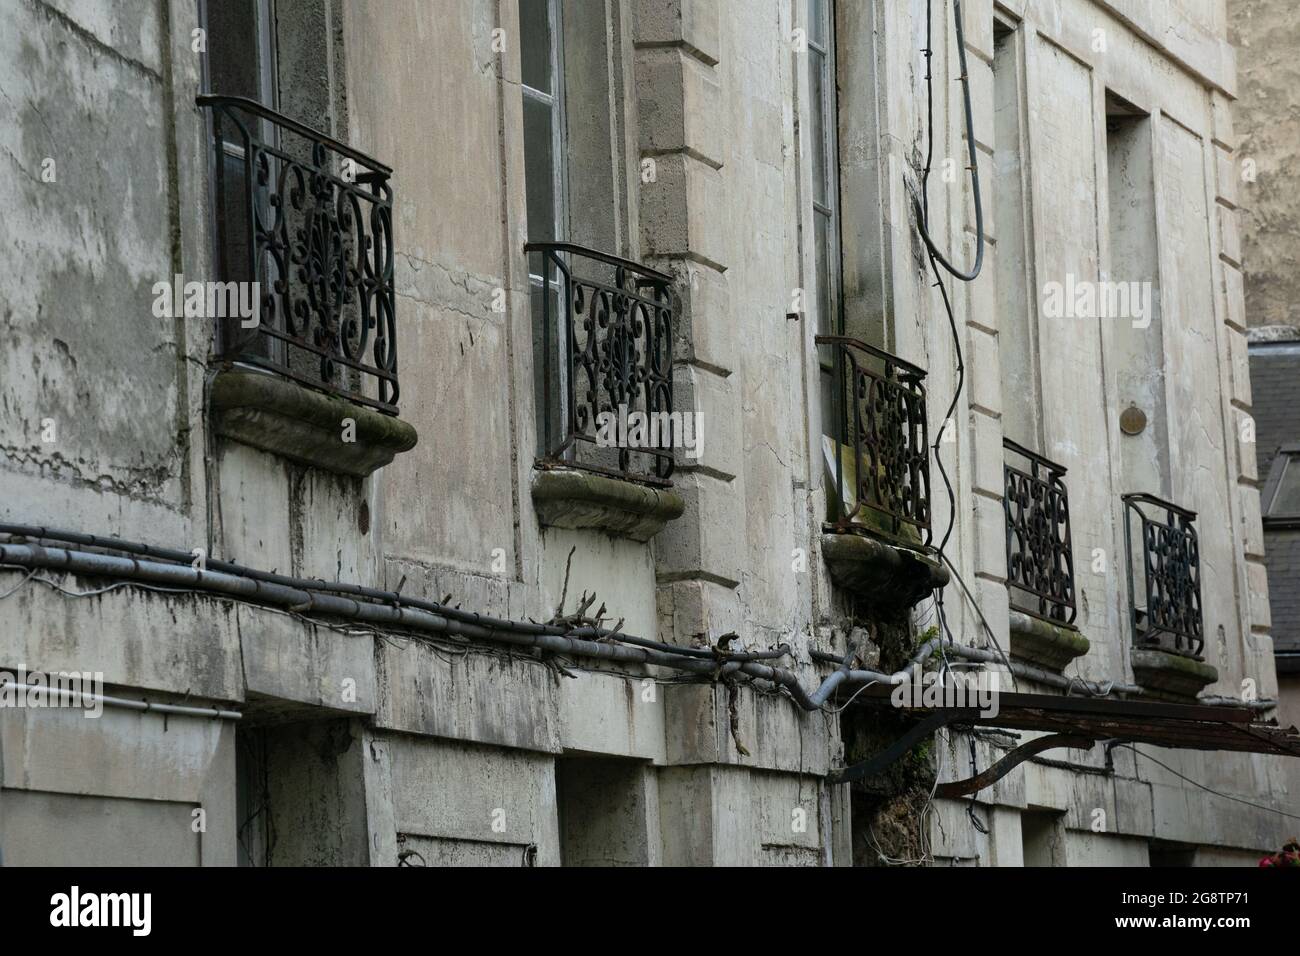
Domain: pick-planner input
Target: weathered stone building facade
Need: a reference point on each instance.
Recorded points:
(1267, 35)
(706, 187)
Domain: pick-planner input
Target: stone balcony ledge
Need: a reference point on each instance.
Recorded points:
(571, 498)
(891, 575)
(1049, 644)
(284, 418)
(1171, 676)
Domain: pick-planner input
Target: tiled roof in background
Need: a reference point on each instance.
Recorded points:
(1275, 391)
(1282, 556)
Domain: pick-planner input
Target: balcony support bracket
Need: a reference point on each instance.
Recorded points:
(572, 498)
(996, 771)
(1171, 676)
(304, 425)
(1048, 644)
(882, 573)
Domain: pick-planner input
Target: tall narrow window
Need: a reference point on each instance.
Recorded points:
(576, 182)
(821, 134)
(822, 128)
(821, 66)
(241, 49)
(543, 82)
(1017, 305)
(240, 61)
(1134, 267)
(545, 183)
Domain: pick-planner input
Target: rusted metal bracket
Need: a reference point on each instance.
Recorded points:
(996, 771)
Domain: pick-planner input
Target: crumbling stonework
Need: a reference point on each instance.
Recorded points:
(374, 742)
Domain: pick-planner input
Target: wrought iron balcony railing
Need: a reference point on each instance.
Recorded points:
(1170, 554)
(881, 460)
(603, 346)
(1040, 558)
(308, 219)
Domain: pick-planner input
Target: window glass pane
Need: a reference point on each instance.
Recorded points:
(817, 20)
(1286, 500)
(535, 43)
(539, 170)
(825, 320)
(817, 94)
(233, 49)
(550, 359)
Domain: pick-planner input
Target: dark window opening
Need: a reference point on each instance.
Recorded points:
(1042, 837)
(604, 806)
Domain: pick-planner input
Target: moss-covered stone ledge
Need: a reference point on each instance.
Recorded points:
(886, 574)
(282, 417)
(1172, 676)
(569, 498)
(1045, 643)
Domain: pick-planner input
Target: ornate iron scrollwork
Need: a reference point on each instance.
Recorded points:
(1040, 558)
(882, 447)
(1170, 553)
(605, 343)
(310, 220)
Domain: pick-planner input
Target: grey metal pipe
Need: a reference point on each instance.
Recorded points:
(41, 533)
(629, 649)
(127, 703)
(305, 601)
(1027, 671)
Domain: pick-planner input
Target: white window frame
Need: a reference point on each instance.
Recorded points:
(829, 211)
(554, 101)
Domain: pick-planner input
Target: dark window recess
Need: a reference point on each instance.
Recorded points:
(1165, 598)
(1162, 853)
(603, 811)
(823, 123)
(1040, 558)
(240, 49)
(543, 101)
(240, 62)
(1042, 837)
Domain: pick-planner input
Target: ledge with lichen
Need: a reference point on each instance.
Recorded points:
(1048, 644)
(887, 574)
(304, 425)
(1171, 676)
(572, 498)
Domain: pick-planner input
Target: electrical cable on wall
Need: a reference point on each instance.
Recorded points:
(938, 261)
(923, 203)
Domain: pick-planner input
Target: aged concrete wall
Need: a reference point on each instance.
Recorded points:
(101, 396)
(1267, 114)
(1267, 35)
